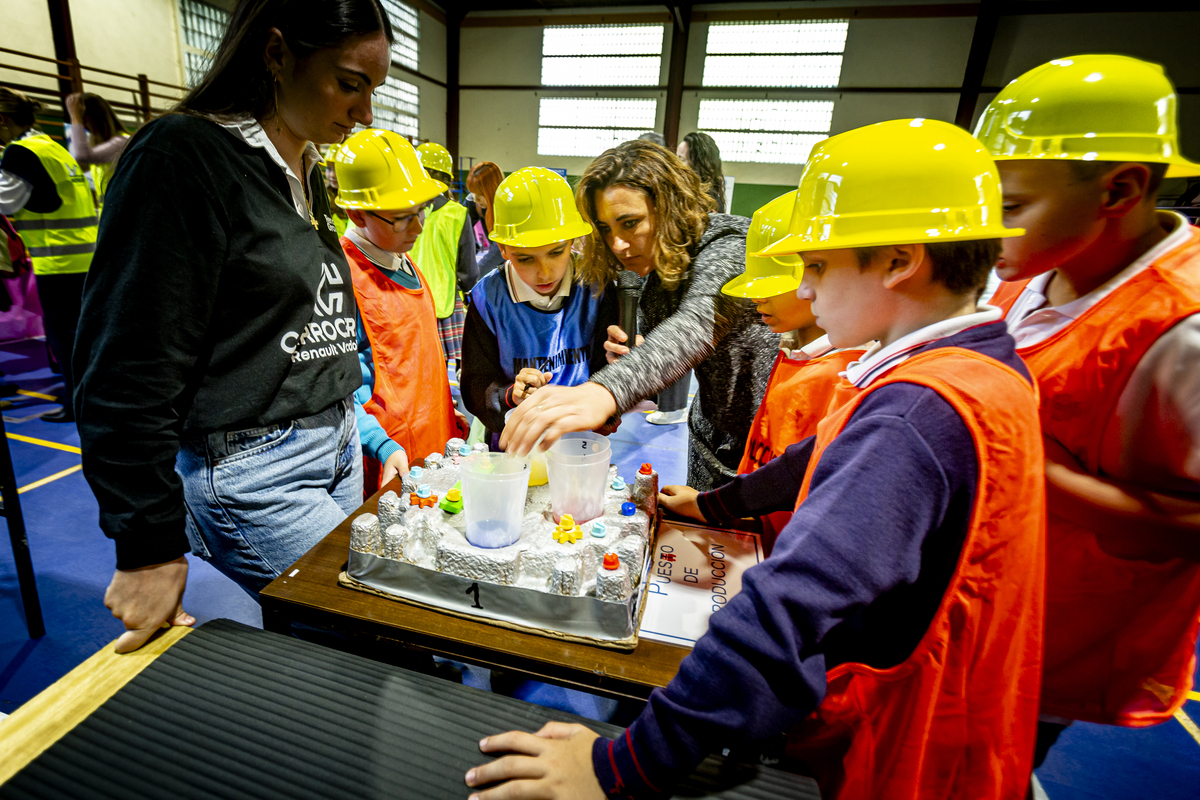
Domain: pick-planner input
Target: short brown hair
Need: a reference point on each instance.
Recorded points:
(962, 267)
(18, 106)
(1084, 171)
(679, 201)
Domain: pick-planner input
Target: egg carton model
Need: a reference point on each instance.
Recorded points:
(580, 581)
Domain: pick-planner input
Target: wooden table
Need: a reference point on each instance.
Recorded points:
(311, 596)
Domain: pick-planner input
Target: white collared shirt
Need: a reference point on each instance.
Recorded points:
(15, 190)
(878, 360)
(250, 131)
(521, 292)
(1153, 436)
(815, 349)
(384, 258)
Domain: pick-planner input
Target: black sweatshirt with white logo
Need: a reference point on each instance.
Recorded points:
(211, 305)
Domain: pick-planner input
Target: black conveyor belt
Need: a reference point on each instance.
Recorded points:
(235, 712)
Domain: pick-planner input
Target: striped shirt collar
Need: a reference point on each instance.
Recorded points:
(879, 360)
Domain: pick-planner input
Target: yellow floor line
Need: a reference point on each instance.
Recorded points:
(50, 479)
(1194, 696)
(1188, 725)
(30, 440)
(38, 395)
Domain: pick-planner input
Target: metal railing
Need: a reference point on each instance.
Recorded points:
(140, 108)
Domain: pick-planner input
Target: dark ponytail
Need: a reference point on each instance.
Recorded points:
(238, 82)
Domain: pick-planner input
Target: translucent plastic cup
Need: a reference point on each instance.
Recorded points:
(494, 487)
(577, 465)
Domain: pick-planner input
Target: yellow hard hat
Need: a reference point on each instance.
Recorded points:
(535, 207)
(1087, 108)
(904, 181)
(434, 156)
(379, 171)
(768, 276)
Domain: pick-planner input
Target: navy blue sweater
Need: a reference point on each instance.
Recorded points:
(856, 576)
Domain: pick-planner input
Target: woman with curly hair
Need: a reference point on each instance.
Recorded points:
(651, 215)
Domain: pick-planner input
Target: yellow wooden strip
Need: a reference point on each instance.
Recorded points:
(16, 437)
(72, 698)
(38, 395)
(1188, 725)
(1194, 696)
(50, 478)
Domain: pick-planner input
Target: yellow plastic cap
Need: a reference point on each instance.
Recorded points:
(768, 276)
(1088, 108)
(905, 181)
(535, 207)
(379, 171)
(434, 156)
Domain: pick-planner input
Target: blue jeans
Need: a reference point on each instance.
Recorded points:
(258, 499)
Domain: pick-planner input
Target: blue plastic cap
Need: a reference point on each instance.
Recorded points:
(628, 509)
(416, 472)
(424, 491)
(598, 530)
(618, 483)
(465, 450)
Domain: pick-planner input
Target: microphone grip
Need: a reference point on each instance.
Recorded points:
(629, 304)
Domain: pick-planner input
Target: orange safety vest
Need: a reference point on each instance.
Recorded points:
(411, 398)
(957, 718)
(1120, 634)
(799, 395)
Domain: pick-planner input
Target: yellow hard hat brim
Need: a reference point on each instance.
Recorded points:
(755, 288)
(368, 200)
(1176, 168)
(799, 243)
(540, 238)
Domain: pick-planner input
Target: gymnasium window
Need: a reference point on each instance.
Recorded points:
(203, 26)
(597, 55)
(621, 120)
(784, 54)
(768, 131)
(406, 28)
(601, 55)
(394, 107)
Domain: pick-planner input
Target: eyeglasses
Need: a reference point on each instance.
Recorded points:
(404, 220)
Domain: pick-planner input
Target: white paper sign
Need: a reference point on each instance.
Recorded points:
(695, 572)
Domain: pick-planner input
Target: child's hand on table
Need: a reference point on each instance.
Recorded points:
(554, 763)
(681, 500)
(396, 464)
(529, 380)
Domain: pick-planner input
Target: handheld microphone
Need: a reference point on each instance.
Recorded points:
(629, 284)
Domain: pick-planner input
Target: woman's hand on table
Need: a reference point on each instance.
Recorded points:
(146, 599)
(681, 500)
(553, 764)
(557, 410)
(615, 347)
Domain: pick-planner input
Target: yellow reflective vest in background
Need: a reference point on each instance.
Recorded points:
(61, 242)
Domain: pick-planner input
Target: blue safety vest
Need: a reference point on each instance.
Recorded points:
(559, 341)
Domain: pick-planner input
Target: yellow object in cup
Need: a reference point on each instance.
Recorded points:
(537, 468)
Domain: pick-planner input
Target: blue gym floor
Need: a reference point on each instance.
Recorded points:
(74, 562)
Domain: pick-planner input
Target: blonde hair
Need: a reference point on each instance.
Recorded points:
(18, 106)
(679, 200)
(482, 181)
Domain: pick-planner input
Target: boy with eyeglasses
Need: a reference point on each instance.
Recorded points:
(404, 406)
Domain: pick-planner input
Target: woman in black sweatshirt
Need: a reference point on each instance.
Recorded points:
(216, 353)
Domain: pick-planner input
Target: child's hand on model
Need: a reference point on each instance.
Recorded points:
(615, 344)
(681, 500)
(528, 381)
(554, 763)
(396, 464)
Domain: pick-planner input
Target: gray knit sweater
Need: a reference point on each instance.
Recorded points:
(694, 326)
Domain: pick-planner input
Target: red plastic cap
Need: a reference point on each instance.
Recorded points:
(611, 561)
(646, 468)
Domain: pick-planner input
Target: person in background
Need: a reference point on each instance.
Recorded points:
(404, 407)
(97, 138)
(445, 252)
(652, 136)
(341, 220)
(652, 217)
(698, 151)
(216, 358)
(805, 384)
(895, 633)
(44, 191)
(535, 321)
(1102, 295)
(482, 181)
